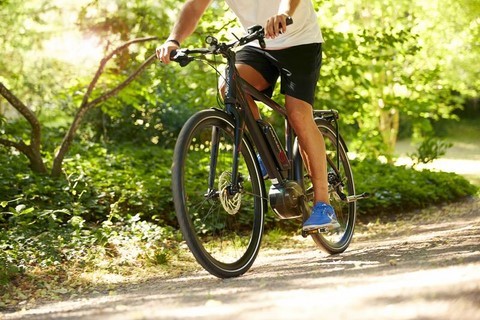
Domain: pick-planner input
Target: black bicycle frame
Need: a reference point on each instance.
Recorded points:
(237, 106)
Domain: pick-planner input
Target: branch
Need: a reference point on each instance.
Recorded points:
(20, 146)
(26, 113)
(86, 105)
(125, 83)
(36, 162)
(32, 151)
(103, 63)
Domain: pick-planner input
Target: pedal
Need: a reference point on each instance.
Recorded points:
(358, 197)
(314, 231)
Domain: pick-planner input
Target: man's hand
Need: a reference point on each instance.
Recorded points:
(276, 25)
(163, 51)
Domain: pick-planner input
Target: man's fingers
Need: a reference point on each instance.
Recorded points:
(275, 26)
(280, 24)
(163, 53)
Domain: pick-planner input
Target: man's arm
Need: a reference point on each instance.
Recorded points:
(186, 23)
(278, 23)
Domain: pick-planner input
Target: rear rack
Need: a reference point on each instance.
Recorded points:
(329, 115)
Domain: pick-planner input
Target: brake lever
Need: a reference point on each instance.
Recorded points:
(181, 57)
(262, 43)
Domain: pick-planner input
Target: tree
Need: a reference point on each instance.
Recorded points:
(37, 20)
(380, 65)
(33, 150)
(114, 22)
(384, 61)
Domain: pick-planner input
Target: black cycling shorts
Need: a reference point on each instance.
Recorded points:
(298, 68)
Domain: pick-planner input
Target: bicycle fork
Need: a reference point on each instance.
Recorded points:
(215, 145)
(213, 161)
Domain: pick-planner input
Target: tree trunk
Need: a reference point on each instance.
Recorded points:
(389, 125)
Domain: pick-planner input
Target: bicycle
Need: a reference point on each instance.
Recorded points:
(221, 211)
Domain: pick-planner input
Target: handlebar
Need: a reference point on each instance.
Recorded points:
(256, 32)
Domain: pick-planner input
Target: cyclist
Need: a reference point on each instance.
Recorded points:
(294, 54)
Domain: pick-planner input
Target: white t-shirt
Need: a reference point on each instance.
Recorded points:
(304, 30)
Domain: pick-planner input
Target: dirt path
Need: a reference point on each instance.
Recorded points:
(423, 267)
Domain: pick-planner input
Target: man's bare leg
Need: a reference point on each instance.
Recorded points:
(312, 146)
(300, 115)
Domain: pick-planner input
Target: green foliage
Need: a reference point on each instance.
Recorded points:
(381, 63)
(28, 246)
(117, 206)
(429, 150)
(123, 179)
(157, 104)
(383, 60)
(114, 207)
(98, 184)
(102, 192)
(400, 189)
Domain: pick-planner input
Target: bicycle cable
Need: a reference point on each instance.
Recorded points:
(212, 64)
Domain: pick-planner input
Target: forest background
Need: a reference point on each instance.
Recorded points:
(88, 121)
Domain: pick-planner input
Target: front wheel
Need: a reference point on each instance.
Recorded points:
(341, 186)
(222, 223)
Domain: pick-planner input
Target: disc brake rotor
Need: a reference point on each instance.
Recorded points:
(231, 203)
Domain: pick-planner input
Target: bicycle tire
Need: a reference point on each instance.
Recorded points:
(337, 241)
(222, 232)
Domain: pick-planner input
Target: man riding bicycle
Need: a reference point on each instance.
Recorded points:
(294, 54)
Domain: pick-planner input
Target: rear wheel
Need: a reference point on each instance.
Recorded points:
(221, 223)
(340, 185)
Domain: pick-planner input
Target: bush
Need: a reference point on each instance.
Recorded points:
(399, 188)
(123, 180)
(105, 195)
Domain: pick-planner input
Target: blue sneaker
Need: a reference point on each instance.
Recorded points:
(322, 217)
(262, 167)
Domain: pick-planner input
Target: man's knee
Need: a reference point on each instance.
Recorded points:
(298, 110)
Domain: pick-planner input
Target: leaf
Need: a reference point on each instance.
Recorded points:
(27, 211)
(21, 295)
(61, 290)
(20, 208)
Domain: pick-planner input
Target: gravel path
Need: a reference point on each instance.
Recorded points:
(423, 267)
